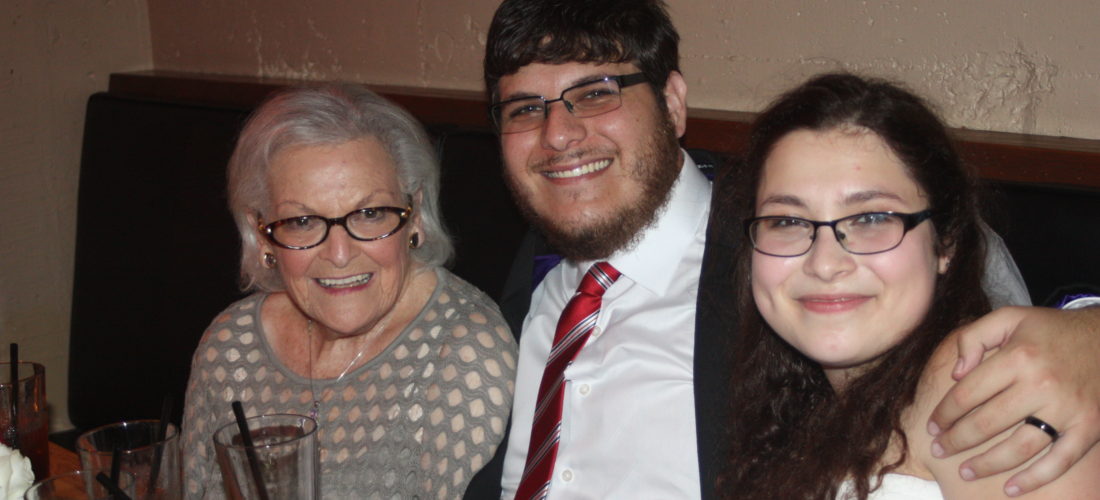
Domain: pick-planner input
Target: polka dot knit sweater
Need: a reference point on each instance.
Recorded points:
(417, 421)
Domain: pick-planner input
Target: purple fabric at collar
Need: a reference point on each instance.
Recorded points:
(543, 264)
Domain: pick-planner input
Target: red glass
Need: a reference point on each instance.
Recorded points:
(31, 431)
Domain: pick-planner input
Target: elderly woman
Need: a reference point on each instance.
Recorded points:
(406, 368)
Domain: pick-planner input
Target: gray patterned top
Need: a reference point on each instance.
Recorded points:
(417, 421)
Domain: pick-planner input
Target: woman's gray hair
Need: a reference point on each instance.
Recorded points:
(331, 115)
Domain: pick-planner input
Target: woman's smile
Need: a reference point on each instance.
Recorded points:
(348, 282)
(833, 303)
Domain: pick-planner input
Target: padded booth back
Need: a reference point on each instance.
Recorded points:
(1053, 233)
(156, 252)
(477, 208)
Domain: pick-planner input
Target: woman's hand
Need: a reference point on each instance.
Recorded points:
(1046, 367)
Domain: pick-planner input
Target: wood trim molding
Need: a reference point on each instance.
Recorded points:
(997, 155)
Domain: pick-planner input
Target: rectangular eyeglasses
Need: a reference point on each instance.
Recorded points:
(861, 234)
(585, 100)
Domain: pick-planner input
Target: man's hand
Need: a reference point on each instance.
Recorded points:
(1048, 366)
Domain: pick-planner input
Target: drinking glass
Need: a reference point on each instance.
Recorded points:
(29, 432)
(78, 485)
(282, 463)
(141, 452)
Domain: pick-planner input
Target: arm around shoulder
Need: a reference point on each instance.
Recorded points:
(951, 473)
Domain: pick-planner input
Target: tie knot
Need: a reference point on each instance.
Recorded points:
(598, 278)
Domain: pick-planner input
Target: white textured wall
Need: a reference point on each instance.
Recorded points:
(1028, 66)
(53, 55)
(426, 43)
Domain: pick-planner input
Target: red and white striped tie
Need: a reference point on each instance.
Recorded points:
(575, 324)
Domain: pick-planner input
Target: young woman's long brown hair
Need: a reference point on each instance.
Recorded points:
(792, 435)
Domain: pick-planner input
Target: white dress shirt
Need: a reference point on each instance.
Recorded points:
(628, 419)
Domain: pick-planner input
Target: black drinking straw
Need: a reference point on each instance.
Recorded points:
(162, 431)
(246, 439)
(14, 351)
(112, 487)
(116, 465)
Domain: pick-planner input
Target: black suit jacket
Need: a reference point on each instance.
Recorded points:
(713, 324)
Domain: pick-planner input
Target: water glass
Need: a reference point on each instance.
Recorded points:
(283, 462)
(78, 485)
(141, 452)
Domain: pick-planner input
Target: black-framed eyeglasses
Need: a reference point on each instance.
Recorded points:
(585, 100)
(308, 231)
(861, 234)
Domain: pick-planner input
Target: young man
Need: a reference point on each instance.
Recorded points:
(590, 105)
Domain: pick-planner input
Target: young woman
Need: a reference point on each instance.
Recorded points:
(864, 252)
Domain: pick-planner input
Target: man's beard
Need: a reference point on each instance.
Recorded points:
(656, 169)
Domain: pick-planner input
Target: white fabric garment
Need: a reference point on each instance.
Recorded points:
(1002, 281)
(897, 487)
(628, 421)
(1082, 302)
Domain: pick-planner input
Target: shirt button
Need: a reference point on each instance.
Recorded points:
(567, 475)
(584, 389)
(596, 331)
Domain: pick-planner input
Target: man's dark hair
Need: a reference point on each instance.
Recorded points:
(561, 31)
